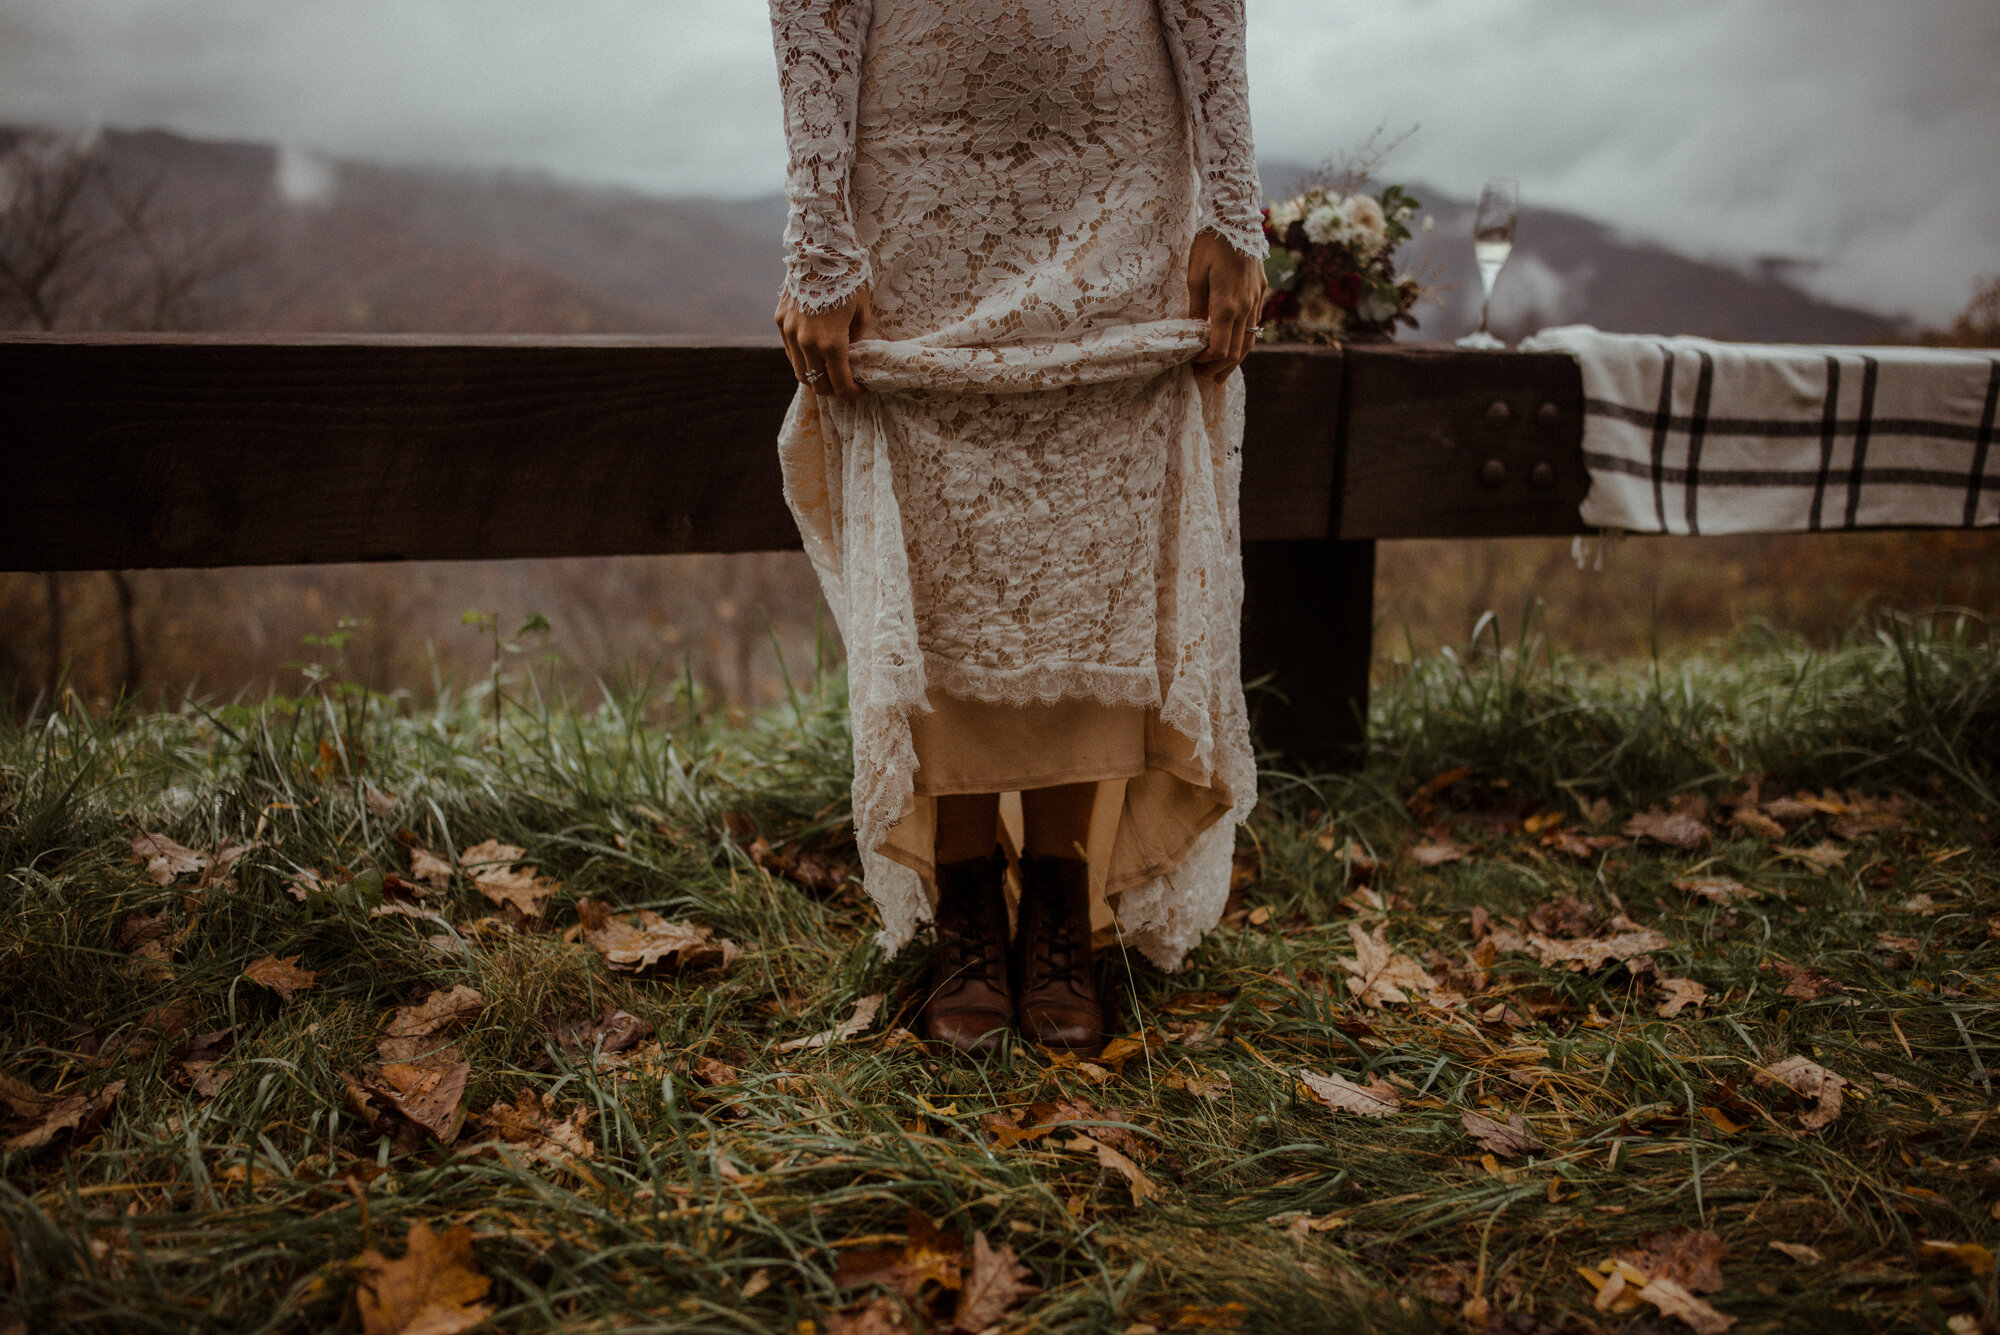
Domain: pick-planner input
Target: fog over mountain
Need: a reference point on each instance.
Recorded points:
(1851, 134)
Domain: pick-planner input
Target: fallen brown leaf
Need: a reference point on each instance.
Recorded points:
(496, 877)
(1716, 889)
(1690, 1311)
(432, 1289)
(1378, 1098)
(283, 976)
(1753, 821)
(880, 1315)
(1691, 1257)
(427, 1093)
(1582, 847)
(864, 1015)
(995, 1284)
(49, 1115)
(164, 858)
(430, 868)
(1379, 975)
(1809, 1080)
(653, 942)
(1675, 828)
(1587, 955)
(613, 1031)
(1825, 856)
(531, 1123)
(929, 1256)
(1210, 1087)
(415, 1030)
(1681, 993)
(1802, 983)
(1438, 850)
(1799, 1252)
(1141, 1187)
(1509, 1139)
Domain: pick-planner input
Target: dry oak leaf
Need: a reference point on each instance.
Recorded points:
(1747, 817)
(995, 1284)
(1379, 975)
(434, 1288)
(415, 1030)
(1509, 1139)
(1690, 1311)
(880, 1315)
(1586, 955)
(496, 877)
(283, 976)
(1691, 1257)
(1378, 1098)
(1582, 847)
(1143, 1188)
(930, 1255)
(654, 941)
(429, 868)
(50, 1115)
(864, 1015)
(1676, 828)
(428, 1093)
(1437, 850)
(1809, 1080)
(1801, 983)
(1681, 993)
(1799, 1252)
(1972, 1257)
(164, 858)
(613, 1031)
(1825, 856)
(530, 1123)
(1716, 889)
(1209, 1087)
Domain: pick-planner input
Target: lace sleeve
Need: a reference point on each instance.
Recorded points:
(819, 72)
(1206, 39)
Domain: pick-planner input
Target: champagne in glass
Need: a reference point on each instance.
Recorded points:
(1492, 243)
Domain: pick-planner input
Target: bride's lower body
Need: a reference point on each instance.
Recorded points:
(1064, 787)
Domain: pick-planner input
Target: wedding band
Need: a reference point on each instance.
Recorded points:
(812, 376)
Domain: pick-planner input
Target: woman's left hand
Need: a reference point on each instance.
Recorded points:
(1225, 287)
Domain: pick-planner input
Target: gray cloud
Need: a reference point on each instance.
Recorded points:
(1851, 132)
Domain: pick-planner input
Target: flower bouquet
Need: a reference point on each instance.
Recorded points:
(1332, 267)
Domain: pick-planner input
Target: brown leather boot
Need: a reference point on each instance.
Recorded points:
(969, 1004)
(1058, 1004)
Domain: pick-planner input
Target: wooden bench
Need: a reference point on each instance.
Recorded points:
(142, 451)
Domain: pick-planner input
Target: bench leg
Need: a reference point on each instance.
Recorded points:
(1308, 622)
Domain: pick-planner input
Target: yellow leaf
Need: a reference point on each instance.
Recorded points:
(433, 1288)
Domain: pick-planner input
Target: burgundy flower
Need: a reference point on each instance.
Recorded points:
(1281, 306)
(1344, 290)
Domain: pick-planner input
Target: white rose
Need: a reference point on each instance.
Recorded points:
(1326, 223)
(1285, 214)
(1364, 215)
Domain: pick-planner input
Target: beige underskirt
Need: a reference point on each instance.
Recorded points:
(1151, 802)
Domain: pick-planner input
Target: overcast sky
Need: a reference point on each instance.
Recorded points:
(1863, 133)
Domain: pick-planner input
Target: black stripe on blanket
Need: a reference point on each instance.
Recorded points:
(1663, 418)
(1755, 426)
(1703, 385)
(1979, 480)
(1829, 430)
(1857, 467)
(1801, 478)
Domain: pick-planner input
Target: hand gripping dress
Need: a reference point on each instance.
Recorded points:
(1027, 528)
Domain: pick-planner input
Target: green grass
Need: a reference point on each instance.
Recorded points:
(244, 1211)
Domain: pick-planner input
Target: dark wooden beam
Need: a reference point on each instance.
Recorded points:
(126, 451)
(1443, 443)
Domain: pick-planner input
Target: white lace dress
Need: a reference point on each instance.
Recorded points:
(1036, 501)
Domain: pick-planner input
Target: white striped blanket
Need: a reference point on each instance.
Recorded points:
(1689, 435)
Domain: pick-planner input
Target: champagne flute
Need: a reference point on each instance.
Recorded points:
(1492, 243)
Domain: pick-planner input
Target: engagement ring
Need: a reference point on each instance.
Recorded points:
(812, 376)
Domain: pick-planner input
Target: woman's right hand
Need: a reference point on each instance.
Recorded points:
(817, 341)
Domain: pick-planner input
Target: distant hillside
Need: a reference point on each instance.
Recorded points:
(1568, 269)
(363, 247)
